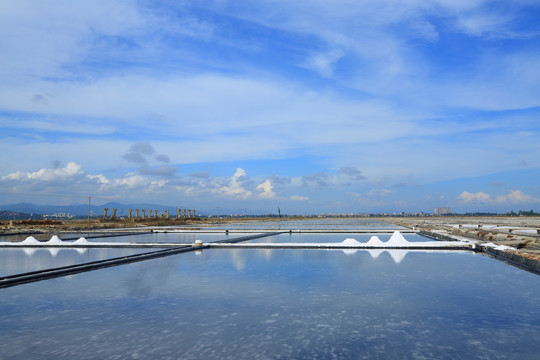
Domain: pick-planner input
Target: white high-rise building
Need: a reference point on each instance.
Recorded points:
(443, 211)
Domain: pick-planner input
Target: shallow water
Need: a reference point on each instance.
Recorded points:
(143, 237)
(17, 260)
(332, 238)
(262, 303)
(21, 260)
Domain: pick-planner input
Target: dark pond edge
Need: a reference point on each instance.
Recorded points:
(517, 260)
(33, 276)
(514, 259)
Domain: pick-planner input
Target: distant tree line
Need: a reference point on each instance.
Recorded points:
(523, 213)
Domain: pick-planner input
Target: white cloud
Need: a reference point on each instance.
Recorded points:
(42, 37)
(132, 181)
(266, 190)
(323, 63)
(474, 197)
(235, 188)
(101, 179)
(201, 108)
(74, 182)
(70, 171)
(481, 24)
(516, 197)
(513, 197)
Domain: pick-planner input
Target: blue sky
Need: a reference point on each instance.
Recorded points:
(312, 106)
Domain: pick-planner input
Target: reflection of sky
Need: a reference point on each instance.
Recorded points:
(247, 303)
(45, 237)
(165, 237)
(142, 237)
(21, 260)
(331, 238)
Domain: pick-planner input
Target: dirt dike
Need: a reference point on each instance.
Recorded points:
(499, 230)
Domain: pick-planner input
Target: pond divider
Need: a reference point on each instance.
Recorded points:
(396, 242)
(504, 254)
(339, 246)
(289, 231)
(18, 279)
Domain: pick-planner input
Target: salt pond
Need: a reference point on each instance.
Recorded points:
(270, 303)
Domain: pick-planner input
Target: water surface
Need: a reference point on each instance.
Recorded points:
(261, 303)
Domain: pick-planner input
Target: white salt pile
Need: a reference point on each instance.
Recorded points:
(30, 241)
(397, 240)
(81, 241)
(375, 241)
(351, 242)
(55, 240)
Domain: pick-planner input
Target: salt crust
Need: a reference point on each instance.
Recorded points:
(498, 247)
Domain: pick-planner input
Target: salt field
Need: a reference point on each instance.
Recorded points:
(269, 179)
(266, 303)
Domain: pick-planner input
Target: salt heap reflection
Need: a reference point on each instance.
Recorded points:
(397, 240)
(397, 246)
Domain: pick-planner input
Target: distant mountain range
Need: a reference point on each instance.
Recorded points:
(81, 209)
(26, 210)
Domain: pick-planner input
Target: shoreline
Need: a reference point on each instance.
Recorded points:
(521, 234)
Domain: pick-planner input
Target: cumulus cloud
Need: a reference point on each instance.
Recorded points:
(100, 179)
(235, 187)
(476, 197)
(69, 172)
(142, 185)
(514, 196)
(72, 179)
(132, 181)
(266, 190)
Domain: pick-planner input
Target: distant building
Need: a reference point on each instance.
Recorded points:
(59, 216)
(443, 211)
